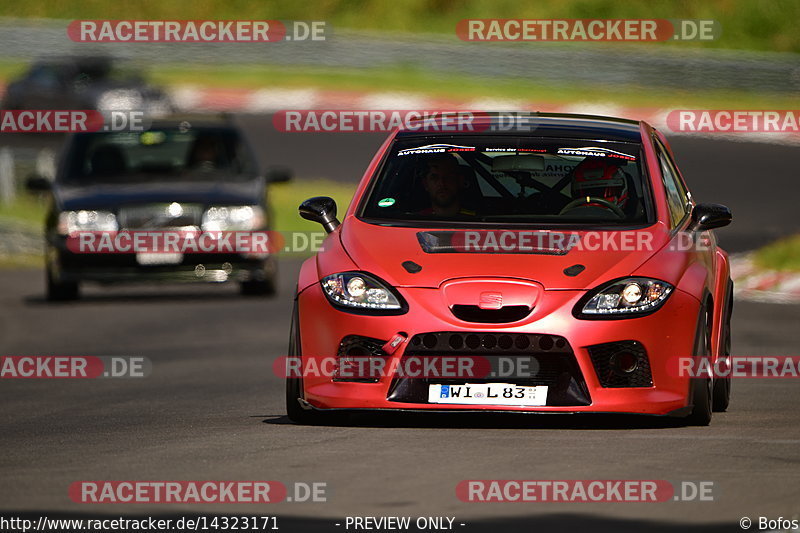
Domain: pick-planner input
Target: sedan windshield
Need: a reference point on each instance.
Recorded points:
(159, 154)
(504, 180)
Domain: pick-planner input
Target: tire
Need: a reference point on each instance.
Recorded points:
(722, 386)
(258, 287)
(701, 388)
(294, 410)
(307, 417)
(294, 385)
(62, 291)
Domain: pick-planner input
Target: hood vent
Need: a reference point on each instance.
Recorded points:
(473, 313)
(479, 242)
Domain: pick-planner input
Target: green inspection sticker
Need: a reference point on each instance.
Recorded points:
(386, 202)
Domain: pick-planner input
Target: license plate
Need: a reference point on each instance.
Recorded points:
(150, 258)
(488, 394)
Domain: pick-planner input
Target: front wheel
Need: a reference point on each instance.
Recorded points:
(701, 387)
(722, 387)
(294, 384)
(257, 287)
(294, 410)
(60, 291)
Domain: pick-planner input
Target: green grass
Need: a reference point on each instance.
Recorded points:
(26, 209)
(746, 24)
(781, 255)
(407, 79)
(21, 261)
(286, 197)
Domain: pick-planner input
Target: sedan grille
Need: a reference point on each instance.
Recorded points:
(160, 216)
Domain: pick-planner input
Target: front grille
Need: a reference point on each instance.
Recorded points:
(473, 313)
(490, 343)
(160, 216)
(548, 357)
(606, 360)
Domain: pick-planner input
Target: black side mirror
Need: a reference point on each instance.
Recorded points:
(38, 184)
(710, 216)
(279, 174)
(320, 209)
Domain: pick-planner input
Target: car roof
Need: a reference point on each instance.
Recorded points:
(78, 61)
(220, 121)
(215, 120)
(556, 125)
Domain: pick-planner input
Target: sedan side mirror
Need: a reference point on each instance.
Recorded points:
(37, 184)
(279, 174)
(320, 209)
(710, 216)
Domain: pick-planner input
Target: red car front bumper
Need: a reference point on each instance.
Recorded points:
(666, 334)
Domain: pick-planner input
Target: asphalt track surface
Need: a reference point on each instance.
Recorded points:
(212, 409)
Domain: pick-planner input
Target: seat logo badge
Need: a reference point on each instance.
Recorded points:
(491, 300)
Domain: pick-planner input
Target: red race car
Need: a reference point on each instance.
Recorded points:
(557, 266)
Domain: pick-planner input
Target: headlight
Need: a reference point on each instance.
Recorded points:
(120, 100)
(234, 218)
(358, 291)
(74, 221)
(625, 297)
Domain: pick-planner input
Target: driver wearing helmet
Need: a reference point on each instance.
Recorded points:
(599, 182)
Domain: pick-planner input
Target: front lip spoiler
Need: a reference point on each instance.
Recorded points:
(677, 413)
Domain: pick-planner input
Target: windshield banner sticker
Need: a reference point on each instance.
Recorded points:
(594, 151)
(436, 149)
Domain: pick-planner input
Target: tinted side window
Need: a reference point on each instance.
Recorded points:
(677, 197)
(44, 77)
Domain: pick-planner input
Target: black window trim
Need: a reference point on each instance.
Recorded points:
(661, 150)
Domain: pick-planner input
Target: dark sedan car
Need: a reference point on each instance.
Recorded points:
(177, 176)
(86, 82)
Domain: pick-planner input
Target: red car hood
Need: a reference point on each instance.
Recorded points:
(382, 250)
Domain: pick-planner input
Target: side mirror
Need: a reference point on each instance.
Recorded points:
(38, 184)
(710, 216)
(279, 174)
(320, 209)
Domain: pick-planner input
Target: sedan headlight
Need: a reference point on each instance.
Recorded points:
(624, 297)
(75, 221)
(233, 218)
(357, 291)
(120, 100)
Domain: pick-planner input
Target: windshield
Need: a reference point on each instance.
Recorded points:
(159, 154)
(510, 180)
